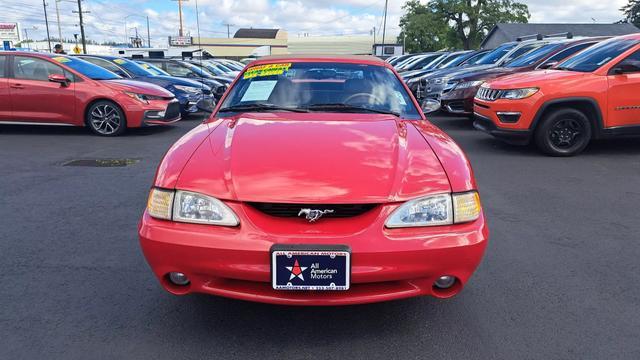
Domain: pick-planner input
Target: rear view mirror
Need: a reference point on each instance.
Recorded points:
(60, 79)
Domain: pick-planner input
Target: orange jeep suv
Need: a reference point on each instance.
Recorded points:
(594, 94)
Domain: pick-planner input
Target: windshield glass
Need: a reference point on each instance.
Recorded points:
(87, 69)
(153, 69)
(196, 69)
(495, 55)
(324, 87)
(533, 56)
(594, 57)
(132, 67)
(453, 60)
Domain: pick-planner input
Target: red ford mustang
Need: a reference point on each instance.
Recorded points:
(317, 181)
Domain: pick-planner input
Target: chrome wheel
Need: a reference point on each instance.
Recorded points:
(105, 119)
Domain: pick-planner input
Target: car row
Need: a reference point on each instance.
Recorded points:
(39, 88)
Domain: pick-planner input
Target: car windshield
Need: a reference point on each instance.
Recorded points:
(132, 67)
(533, 56)
(86, 68)
(196, 69)
(495, 55)
(324, 87)
(453, 60)
(598, 55)
(153, 69)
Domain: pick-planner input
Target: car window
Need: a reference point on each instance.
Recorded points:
(178, 70)
(108, 65)
(496, 54)
(31, 68)
(132, 67)
(521, 51)
(633, 59)
(533, 56)
(85, 68)
(561, 55)
(333, 87)
(597, 56)
(3, 61)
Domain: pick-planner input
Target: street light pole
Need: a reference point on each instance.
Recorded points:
(384, 26)
(46, 21)
(84, 42)
(148, 33)
(58, 21)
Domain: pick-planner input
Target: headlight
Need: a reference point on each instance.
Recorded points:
(516, 94)
(469, 84)
(143, 98)
(187, 206)
(188, 89)
(443, 209)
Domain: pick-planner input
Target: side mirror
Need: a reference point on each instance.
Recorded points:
(219, 91)
(60, 79)
(548, 65)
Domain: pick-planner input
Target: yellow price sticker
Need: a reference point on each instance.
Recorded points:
(61, 59)
(119, 61)
(266, 70)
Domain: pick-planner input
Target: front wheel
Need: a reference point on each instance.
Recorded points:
(105, 118)
(563, 132)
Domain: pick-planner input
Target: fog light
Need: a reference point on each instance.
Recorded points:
(445, 282)
(178, 278)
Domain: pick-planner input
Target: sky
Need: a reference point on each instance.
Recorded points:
(112, 20)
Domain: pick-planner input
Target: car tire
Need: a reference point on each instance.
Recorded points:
(563, 132)
(106, 118)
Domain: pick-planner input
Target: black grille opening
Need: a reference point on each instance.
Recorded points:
(173, 110)
(292, 210)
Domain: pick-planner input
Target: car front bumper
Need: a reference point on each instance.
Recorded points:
(386, 264)
(169, 115)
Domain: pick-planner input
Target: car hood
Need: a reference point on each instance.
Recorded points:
(172, 80)
(536, 78)
(487, 74)
(455, 71)
(315, 158)
(138, 87)
(464, 73)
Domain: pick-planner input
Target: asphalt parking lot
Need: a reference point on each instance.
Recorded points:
(560, 279)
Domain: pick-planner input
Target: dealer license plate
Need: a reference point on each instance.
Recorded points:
(310, 267)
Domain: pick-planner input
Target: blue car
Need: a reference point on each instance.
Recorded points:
(192, 95)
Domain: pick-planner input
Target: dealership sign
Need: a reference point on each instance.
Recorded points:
(9, 31)
(180, 41)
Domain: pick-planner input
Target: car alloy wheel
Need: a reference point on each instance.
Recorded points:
(106, 119)
(566, 133)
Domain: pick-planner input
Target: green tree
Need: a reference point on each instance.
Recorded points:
(631, 12)
(456, 23)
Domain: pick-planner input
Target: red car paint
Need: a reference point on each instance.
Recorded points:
(337, 158)
(37, 101)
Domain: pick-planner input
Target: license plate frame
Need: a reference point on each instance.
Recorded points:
(315, 266)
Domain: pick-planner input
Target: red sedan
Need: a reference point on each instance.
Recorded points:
(317, 181)
(46, 89)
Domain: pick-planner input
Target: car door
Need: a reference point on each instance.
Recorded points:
(624, 92)
(36, 99)
(5, 97)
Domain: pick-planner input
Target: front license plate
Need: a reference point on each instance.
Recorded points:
(310, 268)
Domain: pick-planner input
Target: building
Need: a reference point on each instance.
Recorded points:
(334, 45)
(502, 33)
(246, 42)
(9, 35)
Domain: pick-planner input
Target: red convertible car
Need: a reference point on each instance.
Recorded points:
(317, 181)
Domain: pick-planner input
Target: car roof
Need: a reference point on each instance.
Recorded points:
(354, 59)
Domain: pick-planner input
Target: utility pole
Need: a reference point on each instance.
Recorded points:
(148, 33)
(374, 35)
(26, 37)
(46, 21)
(58, 22)
(181, 32)
(79, 12)
(228, 29)
(384, 27)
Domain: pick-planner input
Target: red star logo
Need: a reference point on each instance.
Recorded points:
(296, 271)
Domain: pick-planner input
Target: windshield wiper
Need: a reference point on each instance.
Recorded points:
(261, 107)
(350, 108)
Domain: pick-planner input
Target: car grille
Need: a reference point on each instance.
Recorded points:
(173, 110)
(488, 94)
(292, 210)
